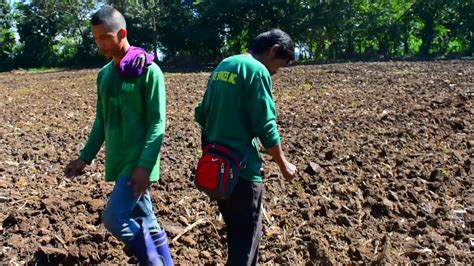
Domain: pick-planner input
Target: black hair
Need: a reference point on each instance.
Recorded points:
(110, 16)
(266, 40)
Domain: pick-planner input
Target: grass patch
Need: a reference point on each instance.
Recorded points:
(324, 90)
(39, 70)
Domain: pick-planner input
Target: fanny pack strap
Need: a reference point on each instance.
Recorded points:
(245, 155)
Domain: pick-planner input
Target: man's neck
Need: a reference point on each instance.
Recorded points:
(121, 54)
(257, 57)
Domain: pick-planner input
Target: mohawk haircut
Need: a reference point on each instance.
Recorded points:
(109, 16)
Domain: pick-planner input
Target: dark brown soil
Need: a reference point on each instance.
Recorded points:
(385, 153)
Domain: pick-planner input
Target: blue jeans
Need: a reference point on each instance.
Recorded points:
(124, 211)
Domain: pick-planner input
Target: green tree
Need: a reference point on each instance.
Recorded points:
(54, 32)
(77, 45)
(7, 37)
(38, 23)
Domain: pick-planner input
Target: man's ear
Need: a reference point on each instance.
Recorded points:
(273, 50)
(122, 33)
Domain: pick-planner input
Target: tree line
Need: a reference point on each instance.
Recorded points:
(49, 33)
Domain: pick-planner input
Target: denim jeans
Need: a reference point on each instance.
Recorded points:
(124, 211)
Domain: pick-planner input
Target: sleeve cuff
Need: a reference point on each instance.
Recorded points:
(270, 140)
(85, 158)
(148, 164)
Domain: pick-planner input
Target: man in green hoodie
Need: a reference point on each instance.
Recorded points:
(236, 110)
(130, 119)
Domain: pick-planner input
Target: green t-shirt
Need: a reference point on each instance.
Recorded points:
(238, 107)
(130, 118)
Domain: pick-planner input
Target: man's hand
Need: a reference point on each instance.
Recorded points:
(139, 61)
(288, 170)
(140, 180)
(75, 168)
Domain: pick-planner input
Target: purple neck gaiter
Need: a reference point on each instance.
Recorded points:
(127, 68)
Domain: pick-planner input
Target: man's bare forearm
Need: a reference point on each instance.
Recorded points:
(277, 155)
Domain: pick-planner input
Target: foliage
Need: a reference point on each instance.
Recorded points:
(57, 33)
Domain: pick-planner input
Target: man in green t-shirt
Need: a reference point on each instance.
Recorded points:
(236, 110)
(130, 119)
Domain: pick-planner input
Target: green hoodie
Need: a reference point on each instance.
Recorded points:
(238, 107)
(130, 118)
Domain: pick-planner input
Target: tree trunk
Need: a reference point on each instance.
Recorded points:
(471, 47)
(350, 44)
(427, 36)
